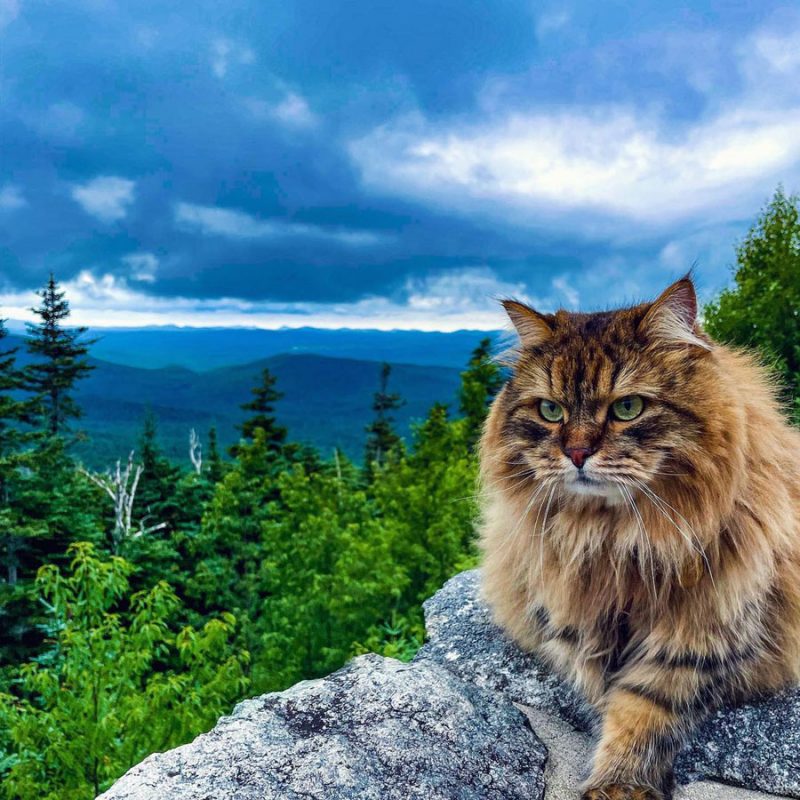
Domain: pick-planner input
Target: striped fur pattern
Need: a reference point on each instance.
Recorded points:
(662, 577)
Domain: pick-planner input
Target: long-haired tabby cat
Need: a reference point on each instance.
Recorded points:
(641, 528)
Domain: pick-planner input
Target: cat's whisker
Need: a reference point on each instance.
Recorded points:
(524, 475)
(692, 539)
(544, 526)
(510, 536)
(646, 544)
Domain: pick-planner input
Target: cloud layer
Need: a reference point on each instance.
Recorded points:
(391, 166)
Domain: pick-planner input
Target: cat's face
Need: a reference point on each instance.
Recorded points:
(602, 403)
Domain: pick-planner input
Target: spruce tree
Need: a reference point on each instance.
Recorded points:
(480, 382)
(155, 495)
(61, 360)
(14, 413)
(216, 467)
(262, 408)
(382, 438)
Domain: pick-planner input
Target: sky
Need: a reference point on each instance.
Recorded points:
(383, 164)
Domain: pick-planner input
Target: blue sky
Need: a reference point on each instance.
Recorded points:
(383, 164)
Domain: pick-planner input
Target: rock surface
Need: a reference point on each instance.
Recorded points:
(377, 729)
(445, 727)
(569, 751)
(755, 746)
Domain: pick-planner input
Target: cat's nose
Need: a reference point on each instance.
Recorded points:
(578, 455)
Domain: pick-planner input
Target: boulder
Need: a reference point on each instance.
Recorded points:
(756, 745)
(376, 729)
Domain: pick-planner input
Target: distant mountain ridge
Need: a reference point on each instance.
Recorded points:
(327, 401)
(200, 377)
(202, 349)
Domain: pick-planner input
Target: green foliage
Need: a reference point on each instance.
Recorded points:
(60, 360)
(327, 574)
(382, 439)
(762, 309)
(480, 382)
(154, 497)
(426, 502)
(129, 644)
(262, 416)
(113, 686)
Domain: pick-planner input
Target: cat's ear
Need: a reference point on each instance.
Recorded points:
(532, 327)
(672, 318)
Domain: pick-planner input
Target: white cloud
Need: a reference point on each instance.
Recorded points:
(604, 170)
(292, 111)
(106, 197)
(476, 289)
(234, 224)
(9, 11)
(11, 198)
(142, 266)
(778, 49)
(449, 301)
(566, 291)
(609, 161)
(551, 22)
(225, 52)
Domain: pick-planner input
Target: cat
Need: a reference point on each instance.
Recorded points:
(640, 525)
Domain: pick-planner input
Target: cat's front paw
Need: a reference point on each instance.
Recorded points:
(621, 791)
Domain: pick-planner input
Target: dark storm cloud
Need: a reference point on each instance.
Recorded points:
(321, 152)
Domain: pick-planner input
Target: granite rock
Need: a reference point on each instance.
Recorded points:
(378, 729)
(756, 746)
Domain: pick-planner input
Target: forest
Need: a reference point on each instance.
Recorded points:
(139, 604)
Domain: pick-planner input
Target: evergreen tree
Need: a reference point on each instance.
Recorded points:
(761, 309)
(427, 502)
(382, 439)
(44, 503)
(155, 495)
(327, 575)
(262, 406)
(14, 413)
(216, 467)
(227, 551)
(480, 382)
(62, 361)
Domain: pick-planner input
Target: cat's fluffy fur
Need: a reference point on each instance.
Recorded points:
(663, 578)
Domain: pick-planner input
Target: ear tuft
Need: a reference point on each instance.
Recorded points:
(672, 318)
(532, 327)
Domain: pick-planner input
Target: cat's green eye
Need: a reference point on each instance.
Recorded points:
(551, 411)
(627, 408)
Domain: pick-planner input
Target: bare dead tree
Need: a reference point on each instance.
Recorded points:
(195, 451)
(120, 485)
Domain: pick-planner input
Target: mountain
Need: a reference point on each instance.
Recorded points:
(327, 395)
(326, 403)
(203, 349)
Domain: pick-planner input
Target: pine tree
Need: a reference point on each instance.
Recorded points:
(382, 438)
(480, 382)
(14, 413)
(216, 467)
(62, 360)
(155, 496)
(262, 406)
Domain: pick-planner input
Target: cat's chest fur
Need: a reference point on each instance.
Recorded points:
(593, 607)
